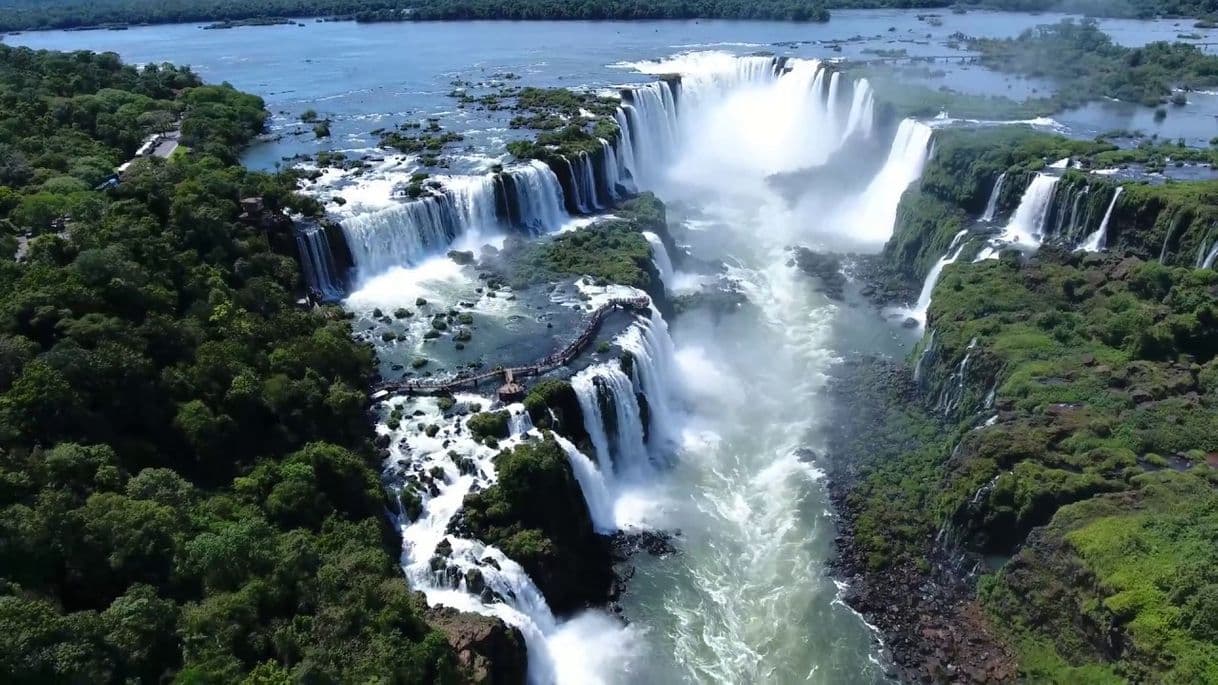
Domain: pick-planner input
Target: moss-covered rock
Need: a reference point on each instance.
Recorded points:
(553, 404)
(551, 536)
(489, 425)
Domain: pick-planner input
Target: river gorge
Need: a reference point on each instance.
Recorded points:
(701, 427)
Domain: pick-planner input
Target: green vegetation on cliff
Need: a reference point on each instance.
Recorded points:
(550, 536)
(1170, 221)
(187, 490)
(1104, 386)
(611, 250)
(1063, 423)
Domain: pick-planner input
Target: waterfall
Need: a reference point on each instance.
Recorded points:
(609, 164)
(654, 371)
(650, 112)
(588, 394)
(831, 101)
(592, 484)
(953, 393)
(473, 202)
(659, 255)
(620, 450)
(1099, 240)
(402, 234)
(806, 93)
(583, 183)
(924, 360)
(321, 274)
(875, 212)
(991, 206)
(470, 575)
(626, 166)
(1065, 231)
(932, 277)
(1026, 228)
(533, 198)
(862, 111)
(468, 207)
(1209, 258)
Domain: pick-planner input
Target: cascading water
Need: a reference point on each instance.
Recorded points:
(924, 360)
(472, 576)
(1065, 217)
(402, 234)
(583, 180)
(627, 172)
(534, 198)
(1026, 228)
(1099, 240)
(653, 371)
(734, 606)
(593, 485)
(526, 198)
(991, 205)
(871, 219)
(953, 392)
(588, 394)
(801, 96)
(659, 255)
(861, 120)
(831, 101)
(1208, 262)
(932, 277)
(650, 114)
(316, 261)
(610, 166)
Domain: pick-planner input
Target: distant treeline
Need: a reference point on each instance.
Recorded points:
(29, 15)
(784, 10)
(21, 15)
(1098, 8)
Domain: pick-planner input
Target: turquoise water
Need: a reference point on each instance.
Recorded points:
(748, 598)
(369, 76)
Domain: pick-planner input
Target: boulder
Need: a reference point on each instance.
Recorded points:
(488, 650)
(462, 257)
(826, 268)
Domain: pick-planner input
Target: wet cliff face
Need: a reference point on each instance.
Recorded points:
(537, 515)
(1079, 386)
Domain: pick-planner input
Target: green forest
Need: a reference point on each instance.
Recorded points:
(187, 489)
(21, 15)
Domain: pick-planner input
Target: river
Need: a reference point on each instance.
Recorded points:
(748, 596)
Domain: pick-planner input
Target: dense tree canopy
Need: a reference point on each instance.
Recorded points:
(44, 14)
(186, 489)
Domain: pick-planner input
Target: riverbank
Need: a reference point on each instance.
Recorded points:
(1003, 492)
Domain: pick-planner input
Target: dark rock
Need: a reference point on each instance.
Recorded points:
(488, 650)
(445, 548)
(462, 257)
(474, 582)
(628, 543)
(826, 268)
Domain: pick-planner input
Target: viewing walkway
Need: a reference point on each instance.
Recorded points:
(471, 380)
